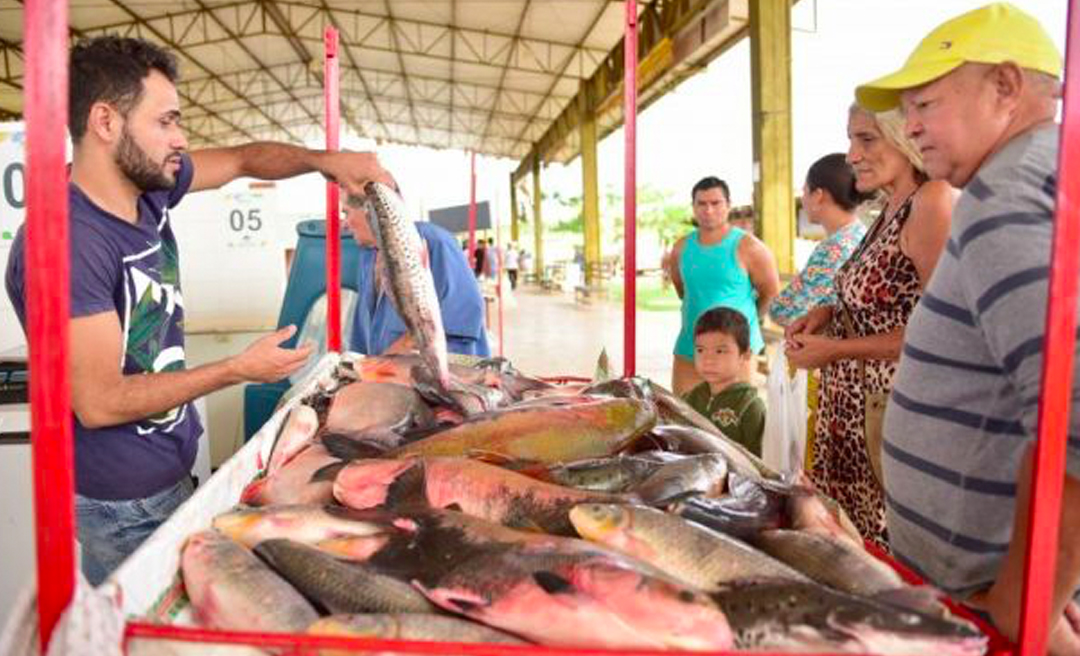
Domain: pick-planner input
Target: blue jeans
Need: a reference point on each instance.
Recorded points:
(109, 531)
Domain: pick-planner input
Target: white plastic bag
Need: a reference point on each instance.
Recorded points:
(784, 443)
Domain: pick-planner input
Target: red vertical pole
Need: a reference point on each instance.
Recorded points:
(332, 98)
(47, 286)
(630, 189)
(499, 278)
(1048, 473)
(472, 208)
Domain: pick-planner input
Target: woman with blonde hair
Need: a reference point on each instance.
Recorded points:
(856, 340)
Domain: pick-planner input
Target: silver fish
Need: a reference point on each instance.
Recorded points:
(774, 614)
(406, 277)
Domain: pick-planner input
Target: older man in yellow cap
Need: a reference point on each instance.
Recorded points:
(980, 95)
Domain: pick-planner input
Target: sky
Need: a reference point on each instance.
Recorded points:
(703, 127)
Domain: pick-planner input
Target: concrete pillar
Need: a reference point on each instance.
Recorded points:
(590, 183)
(538, 225)
(513, 211)
(770, 62)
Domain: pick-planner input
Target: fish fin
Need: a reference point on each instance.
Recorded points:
(492, 458)
(552, 583)
(531, 526)
(408, 487)
(328, 473)
(463, 602)
(346, 448)
(919, 598)
(277, 438)
(252, 494)
(382, 277)
(671, 499)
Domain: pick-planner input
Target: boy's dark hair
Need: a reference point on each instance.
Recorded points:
(111, 69)
(710, 182)
(833, 174)
(728, 321)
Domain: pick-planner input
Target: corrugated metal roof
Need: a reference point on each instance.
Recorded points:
(485, 75)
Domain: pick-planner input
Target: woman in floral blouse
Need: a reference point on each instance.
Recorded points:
(829, 198)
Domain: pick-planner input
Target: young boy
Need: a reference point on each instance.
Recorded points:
(721, 354)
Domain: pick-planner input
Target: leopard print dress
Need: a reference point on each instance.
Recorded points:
(879, 287)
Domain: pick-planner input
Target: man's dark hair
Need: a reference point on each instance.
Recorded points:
(710, 182)
(833, 174)
(491, 241)
(727, 321)
(111, 69)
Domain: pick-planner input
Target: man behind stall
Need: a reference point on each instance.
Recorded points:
(980, 97)
(721, 354)
(378, 327)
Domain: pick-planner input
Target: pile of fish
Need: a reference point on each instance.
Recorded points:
(417, 500)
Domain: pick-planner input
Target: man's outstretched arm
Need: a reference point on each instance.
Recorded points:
(268, 160)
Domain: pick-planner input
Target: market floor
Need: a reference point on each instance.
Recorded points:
(550, 334)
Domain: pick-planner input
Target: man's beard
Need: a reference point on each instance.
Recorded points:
(137, 166)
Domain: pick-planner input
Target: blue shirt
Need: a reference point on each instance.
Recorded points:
(134, 271)
(377, 324)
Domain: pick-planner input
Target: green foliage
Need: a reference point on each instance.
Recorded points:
(657, 212)
(651, 295)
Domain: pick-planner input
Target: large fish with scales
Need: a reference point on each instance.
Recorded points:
(230, 588)
(802, 616)
(474, 487)
(404, 273)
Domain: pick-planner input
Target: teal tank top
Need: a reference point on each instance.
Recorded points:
(712, 276)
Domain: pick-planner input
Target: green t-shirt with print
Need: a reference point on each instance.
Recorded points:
(737, 411)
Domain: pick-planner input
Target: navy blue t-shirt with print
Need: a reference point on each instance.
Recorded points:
(133, 270)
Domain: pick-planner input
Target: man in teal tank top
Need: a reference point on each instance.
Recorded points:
(718, 265)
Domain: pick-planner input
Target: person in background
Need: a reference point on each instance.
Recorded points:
(829, 197)
(718, 264)
(511, 264)
(726, 397)
(136, 429)
(856, 340)
(378, 327)
(479, 259)
(526, 262)
(980, 94)
(743, 220)
(492, 259)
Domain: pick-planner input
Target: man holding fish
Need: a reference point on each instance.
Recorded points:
(136, 430)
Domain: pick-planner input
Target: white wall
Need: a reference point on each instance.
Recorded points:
(12, 190)
(232, 257)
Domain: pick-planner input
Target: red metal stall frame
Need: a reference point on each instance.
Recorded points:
(630, 60)
(47, 290)
(332, 101)
(1048, 470)
(499, 278)
(48, 284)
(472, 209)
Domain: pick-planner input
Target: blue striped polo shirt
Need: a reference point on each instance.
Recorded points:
(964, 404)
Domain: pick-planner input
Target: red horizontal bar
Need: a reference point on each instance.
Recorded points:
(258, 639)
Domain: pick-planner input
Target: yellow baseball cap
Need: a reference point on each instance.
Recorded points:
(992, 34)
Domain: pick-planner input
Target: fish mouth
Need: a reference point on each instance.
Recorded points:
(591, 520)
(235, 525)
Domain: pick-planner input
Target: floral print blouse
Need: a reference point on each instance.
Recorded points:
(814, 284)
